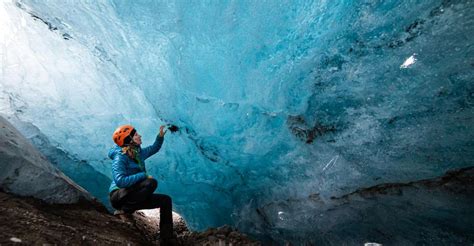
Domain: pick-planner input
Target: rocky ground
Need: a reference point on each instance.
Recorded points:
(147, 222)
(29, 221)
(34, 222)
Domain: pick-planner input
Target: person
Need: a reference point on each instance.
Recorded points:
(132, 188)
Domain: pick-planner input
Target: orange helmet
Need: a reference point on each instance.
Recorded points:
(123, 135)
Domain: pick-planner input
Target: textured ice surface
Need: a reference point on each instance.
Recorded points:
(275, 101)
(427, 212)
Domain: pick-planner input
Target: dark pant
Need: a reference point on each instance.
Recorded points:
(140, 196)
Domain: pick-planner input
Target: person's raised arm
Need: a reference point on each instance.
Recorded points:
(156, 146)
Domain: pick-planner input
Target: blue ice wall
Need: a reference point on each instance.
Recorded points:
(275, 101)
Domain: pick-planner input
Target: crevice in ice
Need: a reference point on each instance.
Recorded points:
(305, 132)
(16, 103)
(51, 27)
(211, 152)
(173, 128)
(415, 29)
(409, 34)
(457, 181)
(61, 28)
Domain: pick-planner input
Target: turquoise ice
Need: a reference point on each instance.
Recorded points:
(275, 101)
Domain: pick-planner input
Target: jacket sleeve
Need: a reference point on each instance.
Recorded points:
(121, 179)
(152, 149)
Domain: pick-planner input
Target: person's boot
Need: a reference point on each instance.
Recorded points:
(169, 241)
(122, 215)
(167, 237)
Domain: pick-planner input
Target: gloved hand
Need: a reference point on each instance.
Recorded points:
(162, 131)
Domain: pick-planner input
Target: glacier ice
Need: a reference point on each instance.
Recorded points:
(275, 101)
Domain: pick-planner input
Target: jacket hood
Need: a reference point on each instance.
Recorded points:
(114, 151)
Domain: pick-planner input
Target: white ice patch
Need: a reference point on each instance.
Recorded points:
(409, 61)
(331, 162)
(280, 215)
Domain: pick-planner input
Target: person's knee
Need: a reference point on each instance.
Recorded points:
(167, 200)
(151, 184)
(115, 205)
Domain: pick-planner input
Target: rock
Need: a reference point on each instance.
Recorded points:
(211, 238)
(225, 230)
(234, 234)
(26, 172)
(15, 240)
(217, 236)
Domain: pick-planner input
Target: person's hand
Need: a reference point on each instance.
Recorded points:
(162, 131)
(149, 177)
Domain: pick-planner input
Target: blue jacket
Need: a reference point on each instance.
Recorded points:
(125, 171)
